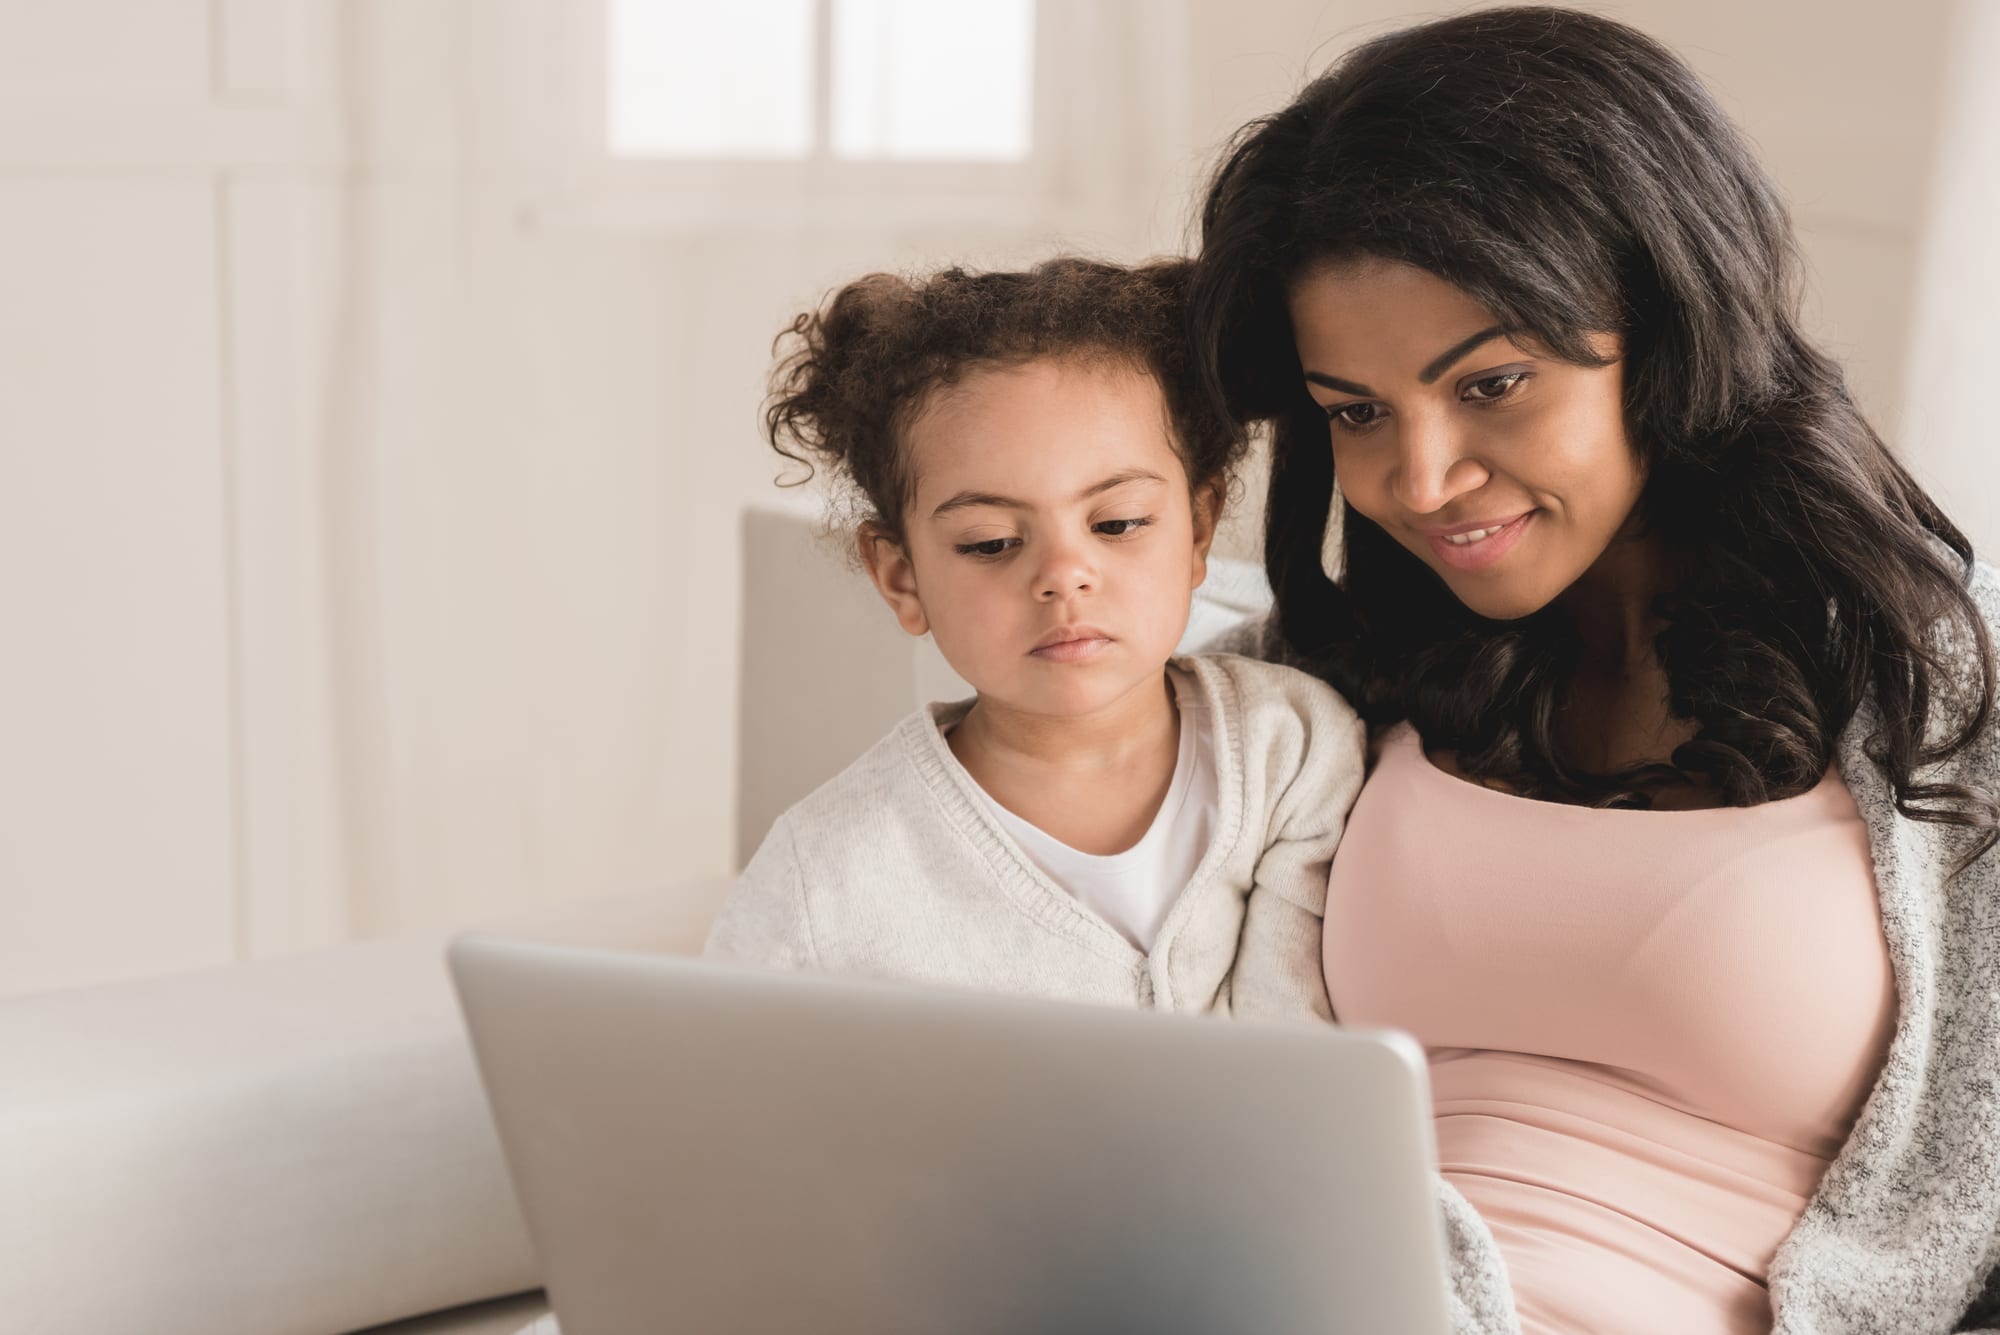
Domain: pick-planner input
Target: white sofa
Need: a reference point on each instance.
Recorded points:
(301, 1146)
(292, 1146)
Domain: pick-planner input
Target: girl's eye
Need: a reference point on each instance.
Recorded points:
(1118, 528)
(1355, 416)
(1494, 387)
(990, 547)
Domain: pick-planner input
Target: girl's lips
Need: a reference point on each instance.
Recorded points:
(1071, 651)
(1482, 554)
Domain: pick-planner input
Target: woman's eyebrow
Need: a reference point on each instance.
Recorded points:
(1335, 382)
(1443, 363)
(966, 500)
(1428, 375)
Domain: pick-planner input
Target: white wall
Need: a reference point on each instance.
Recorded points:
(368, 532)
(1954, 367)
(160, 724)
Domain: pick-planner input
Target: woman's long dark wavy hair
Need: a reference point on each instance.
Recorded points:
(1573, 176)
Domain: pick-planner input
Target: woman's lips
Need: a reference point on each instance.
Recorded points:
(1482, 554)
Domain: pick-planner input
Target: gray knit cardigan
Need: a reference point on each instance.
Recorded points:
(1903, 1235)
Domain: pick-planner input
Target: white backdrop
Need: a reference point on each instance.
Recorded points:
(1953, 435)
(371, 461)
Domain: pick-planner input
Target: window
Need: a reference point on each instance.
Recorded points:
(687, 79)
(838, 116)
(842, 80)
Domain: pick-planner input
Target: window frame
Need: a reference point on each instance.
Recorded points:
(1076, 172)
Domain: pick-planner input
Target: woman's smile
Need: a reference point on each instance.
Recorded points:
(1483, 545)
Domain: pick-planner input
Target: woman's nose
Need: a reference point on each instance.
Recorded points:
(1433, 467)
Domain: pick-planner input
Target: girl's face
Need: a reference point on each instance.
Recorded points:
(1507, 472)
(1052, 546)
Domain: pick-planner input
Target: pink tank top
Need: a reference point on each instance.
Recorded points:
(1649, 1031)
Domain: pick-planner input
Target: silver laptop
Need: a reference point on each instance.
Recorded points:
(706, 1149)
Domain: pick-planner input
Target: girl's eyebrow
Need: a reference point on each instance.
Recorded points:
(966, 500)
(1438, 366)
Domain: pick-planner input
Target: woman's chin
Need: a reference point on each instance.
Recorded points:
(1496, 600)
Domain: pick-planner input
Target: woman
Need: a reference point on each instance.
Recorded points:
(1675, 849)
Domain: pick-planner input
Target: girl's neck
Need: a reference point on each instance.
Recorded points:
(1093, 782)
(994, 737)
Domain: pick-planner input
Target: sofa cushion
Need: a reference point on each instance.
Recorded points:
(523, 1314)
(298, 1145)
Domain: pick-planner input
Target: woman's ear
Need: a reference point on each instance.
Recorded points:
(895, 578)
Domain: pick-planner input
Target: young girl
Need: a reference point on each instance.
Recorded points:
(1040, 481)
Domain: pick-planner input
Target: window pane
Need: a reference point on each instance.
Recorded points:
(698, 79)
(949, 79)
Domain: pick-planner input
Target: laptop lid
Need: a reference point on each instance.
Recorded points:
(708, 1148)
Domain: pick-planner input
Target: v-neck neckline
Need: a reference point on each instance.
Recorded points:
(1035, 893)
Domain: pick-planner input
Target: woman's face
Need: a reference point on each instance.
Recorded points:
(1506, 471)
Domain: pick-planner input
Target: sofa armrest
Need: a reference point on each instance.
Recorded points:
(298, 1145)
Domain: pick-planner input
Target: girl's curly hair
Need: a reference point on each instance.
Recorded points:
(854, 374)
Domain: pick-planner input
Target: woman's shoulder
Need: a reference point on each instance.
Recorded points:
(1956, 694)
(1960, 649)
(1983, 583)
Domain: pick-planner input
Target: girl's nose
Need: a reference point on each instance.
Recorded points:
(1066, 570)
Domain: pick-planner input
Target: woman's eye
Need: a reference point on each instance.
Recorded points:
(1355, 416)
(1118, 528)
(990, 547)
(1494, 387)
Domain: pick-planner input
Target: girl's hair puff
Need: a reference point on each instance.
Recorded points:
(855, 374)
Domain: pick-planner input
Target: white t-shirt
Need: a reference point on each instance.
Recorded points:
(1135, 889)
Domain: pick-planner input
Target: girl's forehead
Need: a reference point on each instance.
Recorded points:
(1042, 423)
(1043, 384)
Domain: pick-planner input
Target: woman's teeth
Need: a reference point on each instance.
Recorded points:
(1477, 535)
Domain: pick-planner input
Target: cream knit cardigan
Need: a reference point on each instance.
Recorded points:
(895, 868)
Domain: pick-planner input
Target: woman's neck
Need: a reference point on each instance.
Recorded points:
(1614, 607)
(1616, 712)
